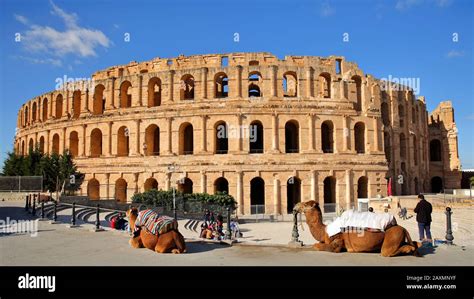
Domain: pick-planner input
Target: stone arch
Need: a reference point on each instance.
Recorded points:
(359, 137)
(154, 92)
(186, 139)
(221, 138)
(152, 140)
(186, 186)
(292, 137)
(74, 143)
(221, 85)
(325, 85)
(121, 190)
(41, 144)
(257, 195)
(327, 137)
(151, 183)
(221, 185)
(290, 84)
(435, 150)
(76, 104)
(256, 138)
(436, 184)
(403, 146)
(23, 147)
(45, 109)
(26, 118)
(31, 145)
(55, 146)
(96, 143)
(93, 189)
(401, 114)
(187, 87)
(362, 187)
(329, 194)
(33, 112)
(293, 193)
(98, 106)
(356, 92)
(125, 94)
(59, 106)
(255, 80)
(385, 114)
(123, 141)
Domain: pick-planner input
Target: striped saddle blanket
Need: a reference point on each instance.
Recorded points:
(154, 223)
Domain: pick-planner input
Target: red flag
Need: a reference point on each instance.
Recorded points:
(389, 187)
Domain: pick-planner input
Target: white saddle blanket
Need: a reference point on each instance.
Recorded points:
(353, 218)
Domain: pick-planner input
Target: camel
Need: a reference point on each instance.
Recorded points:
(172, 241)
(389, 243)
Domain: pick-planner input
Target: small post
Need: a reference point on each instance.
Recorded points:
(73, 216)
(55, 213)
(97, 219)
(33, 209)
(294, 234)
(228, 233)
(449, 232)
(42, 210)
(26, 203)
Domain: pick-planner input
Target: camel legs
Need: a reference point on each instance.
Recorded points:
(136, 242)
(335, 246)
(394, 243)
(166, 243)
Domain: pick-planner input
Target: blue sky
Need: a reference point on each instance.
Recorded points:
(405, 38)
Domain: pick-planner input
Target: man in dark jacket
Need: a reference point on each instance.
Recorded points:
(423, 216)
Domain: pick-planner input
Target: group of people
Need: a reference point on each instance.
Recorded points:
(213, 227)
(119, 222)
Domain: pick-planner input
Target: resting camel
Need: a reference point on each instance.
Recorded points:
(389, 243)
(171, 241)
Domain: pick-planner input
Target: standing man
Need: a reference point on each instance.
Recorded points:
(423, 216)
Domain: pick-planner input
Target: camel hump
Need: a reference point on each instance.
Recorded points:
(365, 220)
(154, 223)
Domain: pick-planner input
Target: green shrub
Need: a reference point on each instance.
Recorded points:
(162, 198)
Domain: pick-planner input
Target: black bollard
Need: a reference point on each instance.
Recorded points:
(42, 210)
(33, 208)
(175, 214)
(55, 212)
(294, 234)
(73, 216)
(97, 220)
(449, 231)
(228, 233)
(29, 203)
(26, 203)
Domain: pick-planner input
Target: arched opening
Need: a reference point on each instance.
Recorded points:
(26, 117)
(401, 114)
(436, 184)
(403, 146)
(74, 144)
(325, 85)
(33, 112)
(187, 87)
(359, 137)
(356, 92)
(41, 144)
(221, 85)
(59, 106)
(435, 150)
(290, 84)
(186, 186)
(121, 190)
(151, 183)
(23, 148)
(31, 145)
(415, 150)
(385, 114)
(45, 109)
(292, 137)
(255, 80)
(256, 137)
(186, 139)
(293, 193)
(123, 142)
(152, 140)
(76, 104)
(154, 92)
(93, 189)
(221, 138)
(221, 185)
(96, 143)
(362, 187)
(55, 147)
(257, 196)
(126, 94)
(329, 194)
(98, 105)
(327, 137)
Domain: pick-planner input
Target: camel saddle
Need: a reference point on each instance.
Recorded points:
(363, 220)
(154, 223)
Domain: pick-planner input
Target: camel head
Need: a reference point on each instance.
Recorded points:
(303, 207)
(133, 211)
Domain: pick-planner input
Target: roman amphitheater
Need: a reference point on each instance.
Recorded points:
(270, 132)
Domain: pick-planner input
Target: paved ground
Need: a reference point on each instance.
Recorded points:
(57, 244)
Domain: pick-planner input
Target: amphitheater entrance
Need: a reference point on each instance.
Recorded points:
(93, 189)
(257, 196)
(150, 183)
(221, 185)
(436, 184)
(293, 193)
(329, 194)
(96, 143)
(186, 186)
(362, 187)
(327, 137)
(256, 138)
(123, 142)
(291, 137)
(186, 139)
(222, 141)
(121, 190)
(152, 140)
(74, 143)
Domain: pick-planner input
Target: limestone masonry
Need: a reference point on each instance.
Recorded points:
(270, 132)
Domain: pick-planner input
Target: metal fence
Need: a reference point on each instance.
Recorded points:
(21, 183)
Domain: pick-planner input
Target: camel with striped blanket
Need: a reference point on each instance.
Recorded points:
(392, 241)
(153, 238)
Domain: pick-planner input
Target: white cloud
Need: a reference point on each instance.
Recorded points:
(21, 19)
(454, 53)
(50, 61)
(407, 4)
(326, 9)
(74, 40)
